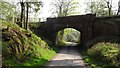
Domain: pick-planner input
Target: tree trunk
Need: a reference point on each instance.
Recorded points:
(109, 7)
(27, 17)
(24, 18)
(22, 10)
(61, 34)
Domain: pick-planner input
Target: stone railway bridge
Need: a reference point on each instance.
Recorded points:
(89, 25)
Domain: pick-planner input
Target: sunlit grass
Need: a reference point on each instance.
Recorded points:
(23, 50)
(103, 55)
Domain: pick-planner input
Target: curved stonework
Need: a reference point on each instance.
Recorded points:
(89, 25)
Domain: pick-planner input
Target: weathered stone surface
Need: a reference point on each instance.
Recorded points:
(89, 25)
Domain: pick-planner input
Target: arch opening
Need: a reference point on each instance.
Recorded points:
(68, 37)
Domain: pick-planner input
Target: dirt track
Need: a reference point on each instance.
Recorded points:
(68, 56)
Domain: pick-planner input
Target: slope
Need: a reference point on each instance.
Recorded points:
(21, 47)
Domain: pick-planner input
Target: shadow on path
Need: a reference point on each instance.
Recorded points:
(68, 56)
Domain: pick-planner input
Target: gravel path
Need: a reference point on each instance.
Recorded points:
(68, 56)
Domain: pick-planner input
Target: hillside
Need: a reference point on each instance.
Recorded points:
(23, 47)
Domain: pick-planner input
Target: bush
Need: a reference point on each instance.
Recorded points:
(106, 54)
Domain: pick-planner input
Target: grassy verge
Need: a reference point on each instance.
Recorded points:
(103, 55)
(22, 47)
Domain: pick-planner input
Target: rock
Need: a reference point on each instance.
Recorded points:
(5, 29)
(6, 38)
(28, 35)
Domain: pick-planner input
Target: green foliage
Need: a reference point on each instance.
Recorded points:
(105, 54)
(70, 35)
(98, 7)
(64, 7)
(69, 38)
(24, 47)
(36, 6)
(7, 10)
(34, 25)
(61, 43)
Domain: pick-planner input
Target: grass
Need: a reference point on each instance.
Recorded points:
(103, 55)
(23, 48)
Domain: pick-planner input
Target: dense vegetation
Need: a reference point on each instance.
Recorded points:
(69, 35)
(22, 47)
(104, 55)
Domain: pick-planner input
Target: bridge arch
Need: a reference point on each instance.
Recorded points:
(81, 23)
(72, 29)
(89, 25)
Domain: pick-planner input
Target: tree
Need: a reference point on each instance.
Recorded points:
(8, 11)
(118, 7)
(71, 35)
(100, 7)
(24, 12)
(63, 8)
(109, 6)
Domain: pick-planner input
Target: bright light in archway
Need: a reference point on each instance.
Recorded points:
(68, 36)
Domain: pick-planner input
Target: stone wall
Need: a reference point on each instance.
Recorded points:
(89, 26)
(106, 26)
